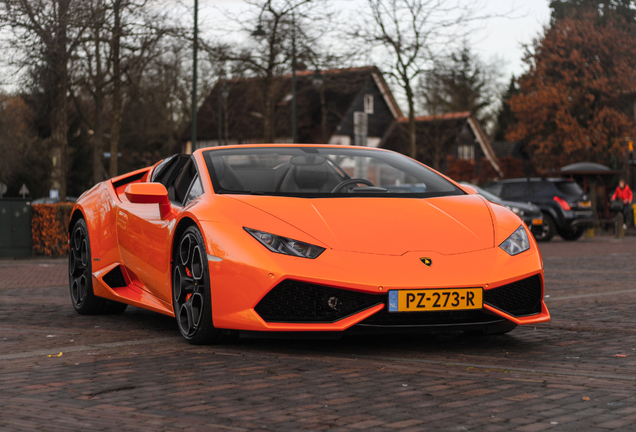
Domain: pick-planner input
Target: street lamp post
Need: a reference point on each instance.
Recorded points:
(225, 93)
(293, 119)
(219, 116)
(317, 81)
(222, 122)
(195, 47)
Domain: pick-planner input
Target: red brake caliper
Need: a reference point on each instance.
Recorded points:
(189, 274)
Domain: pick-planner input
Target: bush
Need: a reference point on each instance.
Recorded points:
(49, 228)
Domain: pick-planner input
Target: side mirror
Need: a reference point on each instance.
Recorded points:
(469, 189)
(149, 193)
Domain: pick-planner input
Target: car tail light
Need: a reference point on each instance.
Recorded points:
(563, 203)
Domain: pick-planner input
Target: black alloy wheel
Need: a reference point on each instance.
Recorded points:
(80, 278)
(548, 229)
(191, 296)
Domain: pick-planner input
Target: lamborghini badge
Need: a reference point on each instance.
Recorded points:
(427, 261)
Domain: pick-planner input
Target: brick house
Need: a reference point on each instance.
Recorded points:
(326, 101)
(446, 140)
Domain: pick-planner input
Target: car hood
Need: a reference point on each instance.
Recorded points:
(387, 226)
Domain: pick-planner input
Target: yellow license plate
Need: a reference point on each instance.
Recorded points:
(435, 299)
(585, 204)
(537, 221)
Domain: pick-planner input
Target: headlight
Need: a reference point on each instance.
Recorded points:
(284, 245)
(517, 242)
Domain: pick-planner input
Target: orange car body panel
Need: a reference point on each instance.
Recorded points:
(381, 251)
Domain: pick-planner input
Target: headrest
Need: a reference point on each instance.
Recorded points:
(310, 177)
(226, 176)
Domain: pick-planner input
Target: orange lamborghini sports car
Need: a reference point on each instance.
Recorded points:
(302, 238)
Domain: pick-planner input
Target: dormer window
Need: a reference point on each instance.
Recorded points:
(368, 104)
(466, 152)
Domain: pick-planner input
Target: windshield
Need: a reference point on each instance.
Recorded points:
(321, 172)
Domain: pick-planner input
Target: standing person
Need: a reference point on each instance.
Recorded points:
(623, 193)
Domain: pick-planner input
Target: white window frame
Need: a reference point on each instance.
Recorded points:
(466, 152)
(368, 103)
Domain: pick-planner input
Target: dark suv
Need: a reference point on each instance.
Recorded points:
(565, 207)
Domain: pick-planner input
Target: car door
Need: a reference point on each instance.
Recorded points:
(145, 237)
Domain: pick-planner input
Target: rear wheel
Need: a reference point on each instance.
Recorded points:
(191, 296)
(80, 279)
(548, 229)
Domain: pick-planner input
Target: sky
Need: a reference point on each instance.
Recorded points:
(499, 38)
(505, 37)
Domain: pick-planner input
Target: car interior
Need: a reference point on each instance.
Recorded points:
(176, 173)
(302, 174)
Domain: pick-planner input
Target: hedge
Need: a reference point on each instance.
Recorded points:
(49, 228)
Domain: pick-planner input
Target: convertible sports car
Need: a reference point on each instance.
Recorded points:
(302, 238)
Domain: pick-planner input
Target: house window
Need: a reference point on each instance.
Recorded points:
(466, 152)
(368, 104)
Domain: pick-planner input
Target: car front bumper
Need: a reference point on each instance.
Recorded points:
(244, 277)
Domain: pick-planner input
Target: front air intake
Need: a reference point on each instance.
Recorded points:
(519, 298)
(301, 302)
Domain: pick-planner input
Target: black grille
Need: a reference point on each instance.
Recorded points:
(518, 298)
(386, 318)
(115, 278)
(293, 301)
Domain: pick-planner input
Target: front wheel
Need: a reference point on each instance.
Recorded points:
(191, 295)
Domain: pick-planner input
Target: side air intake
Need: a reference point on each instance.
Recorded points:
(115, 278)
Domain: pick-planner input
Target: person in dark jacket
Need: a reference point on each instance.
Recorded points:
(623, 193)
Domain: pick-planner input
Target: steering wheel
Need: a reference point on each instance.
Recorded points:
(350, 182)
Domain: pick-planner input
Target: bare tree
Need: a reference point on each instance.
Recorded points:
(47, 32)
(124, 37)
(92, 67)
(406, 35)
(15, 133)
(24, 158)
(283, 26)
(462, 82)
(115, 46)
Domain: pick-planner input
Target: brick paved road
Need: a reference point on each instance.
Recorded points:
(133, 372)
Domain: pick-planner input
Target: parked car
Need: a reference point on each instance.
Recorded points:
(528, 212)
(566, 208)
(297, 238)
